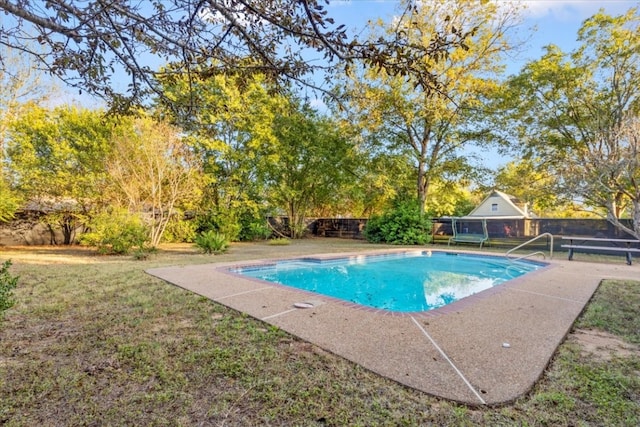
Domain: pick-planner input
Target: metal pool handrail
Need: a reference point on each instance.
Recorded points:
(532, 253)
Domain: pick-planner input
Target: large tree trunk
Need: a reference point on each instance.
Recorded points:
(635, 218)
(423, 185)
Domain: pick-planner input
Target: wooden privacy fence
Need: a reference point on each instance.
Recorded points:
(29, 229)
(507, 232)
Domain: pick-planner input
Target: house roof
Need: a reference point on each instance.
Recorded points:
(510, 207)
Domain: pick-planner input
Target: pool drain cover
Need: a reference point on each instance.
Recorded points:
(303, 305)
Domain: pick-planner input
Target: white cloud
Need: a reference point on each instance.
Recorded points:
(574, 9)
(318, 104)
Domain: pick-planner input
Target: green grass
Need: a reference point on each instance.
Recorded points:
(95, 341)
(280, 241)
(615, 311)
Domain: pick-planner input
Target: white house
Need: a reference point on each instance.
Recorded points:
(498, 215)
(499, 205)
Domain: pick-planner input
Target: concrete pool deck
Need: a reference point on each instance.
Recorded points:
(486, 349)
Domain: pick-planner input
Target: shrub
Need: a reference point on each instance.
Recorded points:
(212, 242)
(7, 284)
(253, 228)
(401, 225)
(241, 224)
(180, 230)
(223, 222)
(117, 232)
(9, 202)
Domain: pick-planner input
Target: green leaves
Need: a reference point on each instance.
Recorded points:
(8, 201)
(59, 154)
(401, 225)
(212, 242)
(309, 166)
(8, 283)
(117, 231)
(574, 112)
(431, 126)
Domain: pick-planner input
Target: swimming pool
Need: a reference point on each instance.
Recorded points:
(404, 282)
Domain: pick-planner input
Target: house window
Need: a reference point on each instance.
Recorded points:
(494, 207)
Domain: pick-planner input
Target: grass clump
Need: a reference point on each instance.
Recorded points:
(281, 241)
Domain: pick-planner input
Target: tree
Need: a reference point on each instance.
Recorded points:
(153, 169)
(229, 120)
(9, 202)
(450, 199)
(260, 150)
(432, 128)
(19, 83)
(523, 180)
(308, 165)
(91, 45)
(573, 113)
(614, 177)
(56, 158)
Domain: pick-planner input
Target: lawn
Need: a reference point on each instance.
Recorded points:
(93, 340)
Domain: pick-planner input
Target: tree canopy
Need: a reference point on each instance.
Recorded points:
(576, 114)
(432, 128)
(56, 158)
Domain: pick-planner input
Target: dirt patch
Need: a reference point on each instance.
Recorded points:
(602, 345)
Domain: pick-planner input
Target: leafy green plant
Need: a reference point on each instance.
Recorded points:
(117, 232)
(212, 242)
(7, 284)
(222, 221)
(180, 230)
(401, 225)
(253, 227)
(8, 202)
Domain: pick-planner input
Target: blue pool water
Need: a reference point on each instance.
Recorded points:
(406, 282)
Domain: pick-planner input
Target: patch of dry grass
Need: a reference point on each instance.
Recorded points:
(93, 340)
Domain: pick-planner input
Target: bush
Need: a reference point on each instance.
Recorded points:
(180, 230)
(223, 222)
(242, 224)
(402, 225)
(7, 284)
(117, 232)
(253, 228)
(212, 242)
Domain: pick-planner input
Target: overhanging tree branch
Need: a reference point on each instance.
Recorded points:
(91, 44)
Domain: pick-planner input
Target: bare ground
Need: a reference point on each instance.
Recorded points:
(602, 346)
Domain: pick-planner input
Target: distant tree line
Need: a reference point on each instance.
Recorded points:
(227, 138)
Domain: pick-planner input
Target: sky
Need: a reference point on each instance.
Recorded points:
(557, 21)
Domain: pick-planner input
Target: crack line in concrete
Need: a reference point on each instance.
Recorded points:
(455, 368)
(547, 295)
(243, 293)
(279, 314)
